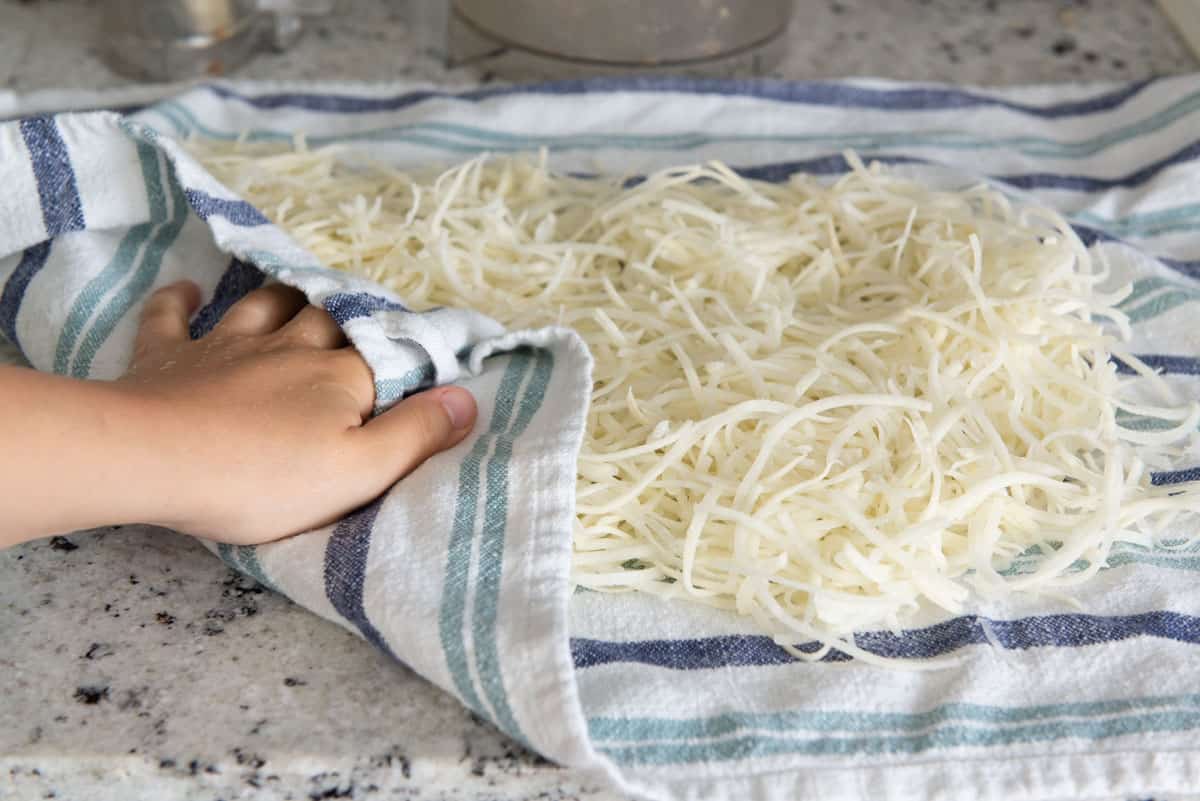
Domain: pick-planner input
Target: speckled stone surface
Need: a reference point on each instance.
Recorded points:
(51, 43)
(135, 665)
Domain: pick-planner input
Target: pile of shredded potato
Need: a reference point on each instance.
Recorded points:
(821, 406)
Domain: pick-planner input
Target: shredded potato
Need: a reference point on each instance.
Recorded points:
(820, 406)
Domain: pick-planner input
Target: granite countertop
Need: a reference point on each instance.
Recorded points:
(137, 666)
(48, 44)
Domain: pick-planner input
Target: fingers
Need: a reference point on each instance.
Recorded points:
(263, 311)
(418, 427)
(165, 315)
(356, 378)
(314, 327)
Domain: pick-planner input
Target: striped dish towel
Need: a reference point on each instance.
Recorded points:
(462, 569)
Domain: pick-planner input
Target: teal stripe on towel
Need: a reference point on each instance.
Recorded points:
(452, 615)
(1149, 223)
(244, 559)
(1160, 304)
(491, 546)
(758, 746)
(856, 722)
(248, 559)
(122, 262)
(225, 551)
(136, 288)
(456, 137)
(1143, 287)
(390, 389)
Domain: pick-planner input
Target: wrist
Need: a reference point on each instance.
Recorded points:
(81, 455)
(142, 449)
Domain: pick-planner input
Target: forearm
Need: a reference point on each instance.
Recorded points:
(75, 454)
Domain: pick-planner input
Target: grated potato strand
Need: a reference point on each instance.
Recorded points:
(820, 406)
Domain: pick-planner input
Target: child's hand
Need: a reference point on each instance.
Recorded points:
(255, 432)
(260, 429)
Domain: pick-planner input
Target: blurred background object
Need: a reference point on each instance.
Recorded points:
(466, 41)
(573, 38)
(179, 39)
(58, 47)
(1185, 16)
(167, 40)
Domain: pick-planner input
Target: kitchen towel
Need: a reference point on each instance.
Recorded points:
(462, 569)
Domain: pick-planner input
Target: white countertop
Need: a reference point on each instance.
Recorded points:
(137, 666)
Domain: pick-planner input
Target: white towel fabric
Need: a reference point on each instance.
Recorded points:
(462, 569)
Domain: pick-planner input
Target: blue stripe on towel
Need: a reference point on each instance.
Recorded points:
(835, 164)
(932, 98)
(1175, 476)
(62, 209)
(1072, 630)
(461, 138)
(32, 261)
(1085, 183)
(1162, 363)
(346, 568)
(1089, 236)
(238, 212)
(239, 279)
(346, 306)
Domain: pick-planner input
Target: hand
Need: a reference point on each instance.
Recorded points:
(262, 428)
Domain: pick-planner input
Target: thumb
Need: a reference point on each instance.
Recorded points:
(418, 427)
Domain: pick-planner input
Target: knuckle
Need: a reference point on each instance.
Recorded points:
(315, 329)
(252, 305)
(156, 304)
(327, 375)
(262, 298)
(351, 364)
(154, 321)
(307, 337)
